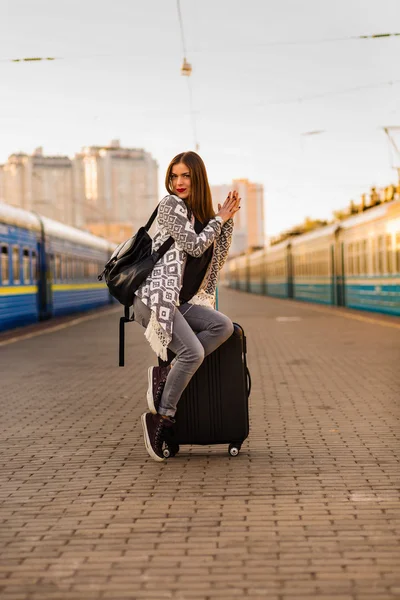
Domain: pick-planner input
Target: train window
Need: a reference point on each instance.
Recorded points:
(350, 269)
(363, 258)
(389, 256)
(381, 265)
(16, 265)
(373, 254)
(64, 267)
(70, 268)
(57, 273)
(52, 266)
(397, 252)
(93, 270)
(26, 265)
(78, 269)
(34, 272)
(86, 268)
(5, 266)
(358, 265)
(66, 260)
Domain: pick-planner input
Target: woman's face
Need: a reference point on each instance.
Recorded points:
(180, 180)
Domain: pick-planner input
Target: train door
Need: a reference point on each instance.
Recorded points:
(289, 266)
(333, 275)
(45, 300)
(339, 271)
(264, 278)
(41, 282)
(247, 274)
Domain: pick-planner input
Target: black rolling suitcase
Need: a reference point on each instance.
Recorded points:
(213, 408)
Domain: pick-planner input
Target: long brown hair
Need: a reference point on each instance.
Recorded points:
(199, 200)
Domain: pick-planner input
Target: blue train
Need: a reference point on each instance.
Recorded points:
(47, 268)
(353, 263)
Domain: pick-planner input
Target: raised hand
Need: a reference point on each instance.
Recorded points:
(230, 206)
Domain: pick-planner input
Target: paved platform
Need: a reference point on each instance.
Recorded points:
(309, 509)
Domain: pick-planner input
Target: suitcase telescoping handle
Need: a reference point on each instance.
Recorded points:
(122, 321)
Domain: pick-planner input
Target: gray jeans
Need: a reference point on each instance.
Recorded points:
(197, 331)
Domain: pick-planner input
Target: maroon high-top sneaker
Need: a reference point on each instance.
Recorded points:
(157, 377)
(154, 427)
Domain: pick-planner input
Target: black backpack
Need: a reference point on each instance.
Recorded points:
(131, 262)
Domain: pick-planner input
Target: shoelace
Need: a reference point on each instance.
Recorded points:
(158, 433)
(160, 390)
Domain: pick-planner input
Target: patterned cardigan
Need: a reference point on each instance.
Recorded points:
(160, 291)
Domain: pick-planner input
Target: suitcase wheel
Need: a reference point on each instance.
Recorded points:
(234, 449)
(170, 450)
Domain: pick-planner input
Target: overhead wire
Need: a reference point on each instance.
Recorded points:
(298, 42)
(372, 36)
(338, 92)
(186, 70)
(311, 97)
(178, 5)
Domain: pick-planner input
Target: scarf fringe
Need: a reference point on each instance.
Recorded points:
(157, 337)
(203, 299)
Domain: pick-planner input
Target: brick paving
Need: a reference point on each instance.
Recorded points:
(309, 509)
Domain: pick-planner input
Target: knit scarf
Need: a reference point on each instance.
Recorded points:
(160, 291)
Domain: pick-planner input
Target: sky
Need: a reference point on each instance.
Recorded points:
(265, 73)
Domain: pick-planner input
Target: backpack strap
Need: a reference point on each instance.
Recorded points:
(126, 318)
(168, 243)
(164, 247)
(151, 220)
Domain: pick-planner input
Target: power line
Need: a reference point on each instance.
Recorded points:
(30, 59)
(373, 36)
(376, 35)
(178, 6)
(300, 42)
(192, 115)
(186, 71)
(338, 92)
(309, 97)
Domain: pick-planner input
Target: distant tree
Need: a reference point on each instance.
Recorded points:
(354, 209)
(374, 197)
(310, 224)
(389, 192)
(340, 215)
(363, 201)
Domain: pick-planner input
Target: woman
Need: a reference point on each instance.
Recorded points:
(176, 302)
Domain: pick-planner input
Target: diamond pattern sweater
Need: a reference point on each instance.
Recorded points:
(160, 291)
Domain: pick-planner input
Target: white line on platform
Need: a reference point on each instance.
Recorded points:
(27, 336)
(347, 315)
(284, 319)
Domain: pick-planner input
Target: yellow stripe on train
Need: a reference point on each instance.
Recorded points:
(63, 287)
(17, 290)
